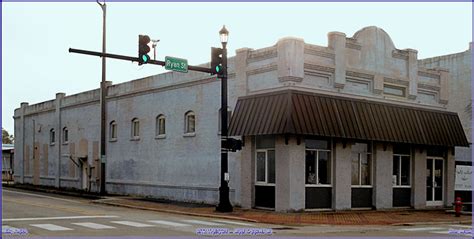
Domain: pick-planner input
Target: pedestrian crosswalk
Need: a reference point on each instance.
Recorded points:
(184, 224)
(452, 230)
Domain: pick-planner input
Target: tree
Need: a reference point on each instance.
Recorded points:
(6, 137)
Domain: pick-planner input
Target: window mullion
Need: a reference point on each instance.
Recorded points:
(317, 167)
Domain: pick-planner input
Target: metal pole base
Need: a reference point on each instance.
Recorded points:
(224, 202)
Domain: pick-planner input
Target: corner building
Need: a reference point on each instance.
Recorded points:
(356, 124)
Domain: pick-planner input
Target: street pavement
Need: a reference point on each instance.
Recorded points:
(51, 215)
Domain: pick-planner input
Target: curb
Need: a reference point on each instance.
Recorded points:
(177, 212)
(430, 223)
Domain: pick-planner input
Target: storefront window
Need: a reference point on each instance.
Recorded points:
(401, 166)
(265, 160)
(361, 164)
(318, 162)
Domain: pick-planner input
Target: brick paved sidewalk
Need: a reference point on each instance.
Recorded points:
(391, 217)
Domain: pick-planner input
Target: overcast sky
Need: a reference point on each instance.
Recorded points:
(36, 36)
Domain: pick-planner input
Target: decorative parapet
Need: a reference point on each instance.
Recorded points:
(262, 69)
(429, 87)
(319, 51)
(429, 73)
(319, 68)
(262, 54)
(400, 54)
(396, 81)
(360, 75)
(352, 43)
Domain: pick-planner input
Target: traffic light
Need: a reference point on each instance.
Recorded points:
(216, 61)
(143, 49)
(232, 144)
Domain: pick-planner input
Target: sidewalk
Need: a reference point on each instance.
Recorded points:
(389, 217)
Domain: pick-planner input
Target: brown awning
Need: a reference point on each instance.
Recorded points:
(303, 113)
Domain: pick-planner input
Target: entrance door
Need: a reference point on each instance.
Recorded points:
(434, 181)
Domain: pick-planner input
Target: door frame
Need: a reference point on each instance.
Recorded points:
(435, 203)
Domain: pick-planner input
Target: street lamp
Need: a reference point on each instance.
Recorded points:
(224, 202)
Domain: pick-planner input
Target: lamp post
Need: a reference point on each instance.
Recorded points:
(224, 202)
(102, 106)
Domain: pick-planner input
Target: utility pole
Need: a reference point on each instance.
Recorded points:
(103, 92)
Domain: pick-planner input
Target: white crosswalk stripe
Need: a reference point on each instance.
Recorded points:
(132, 224)
(51, 227)
(462, 226)
(168, 223)
(93, 225)
(421, 229)
(203, 222)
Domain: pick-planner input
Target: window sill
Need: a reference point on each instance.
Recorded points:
(189, 134)
(65, 143)
(318, 185)
(264, 184)
(113, 140)
(161, 136)
(52, 144)
(136, 138)
(361, 186)
(401, 186)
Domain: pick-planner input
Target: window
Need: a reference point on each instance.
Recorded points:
(113, 130)
(135, 128)
(65, 135)
(318, 162)
(52, 136)
(401, 166)
(190, 122)
(394, 90)
(361, 164)
(229, 114)
(160, 125)
(265, 160)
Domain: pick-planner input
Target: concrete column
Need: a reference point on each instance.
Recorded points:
(337, 42)
(412, 73)
(289, 172)
(450, 177)
(247, 173)
(444, 85)
(419, 178)
(290, 59)
(241, 56)
(342, 181)
(59, 97)
(21, 143)
(383, 168)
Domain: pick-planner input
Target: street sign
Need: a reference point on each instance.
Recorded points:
(176, 64)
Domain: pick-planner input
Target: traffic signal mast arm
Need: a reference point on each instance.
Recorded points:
(136, 59)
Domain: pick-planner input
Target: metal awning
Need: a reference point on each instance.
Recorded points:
(304, 113)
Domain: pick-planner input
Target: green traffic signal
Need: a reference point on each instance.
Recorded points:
(218, 69)
(145, 58)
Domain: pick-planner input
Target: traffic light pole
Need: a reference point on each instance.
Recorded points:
(224, 201)
(134, 59)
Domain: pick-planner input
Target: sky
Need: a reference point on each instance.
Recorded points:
(36, 37)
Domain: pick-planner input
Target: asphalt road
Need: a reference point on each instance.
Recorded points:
(49, 215)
